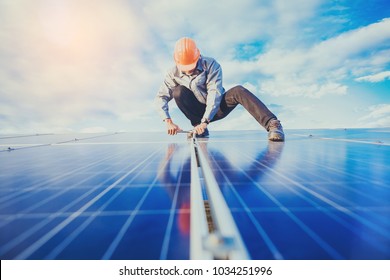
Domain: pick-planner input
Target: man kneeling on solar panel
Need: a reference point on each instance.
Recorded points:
(196, 85)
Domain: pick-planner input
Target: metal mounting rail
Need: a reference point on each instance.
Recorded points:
(222, 240)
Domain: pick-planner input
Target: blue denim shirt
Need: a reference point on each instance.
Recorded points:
(205, 83)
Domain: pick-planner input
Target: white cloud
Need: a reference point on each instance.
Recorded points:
(237, 120)
(375, 78)
(64, 62)
(350, 43)
(377, 116)
(321, 69)
(93, 65)
(217, 26)
(288, 21)
(293, 87)
(318, 69)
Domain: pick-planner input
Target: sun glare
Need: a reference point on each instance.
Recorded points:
(85, 29)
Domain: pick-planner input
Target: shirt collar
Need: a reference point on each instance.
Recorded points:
(199, 69)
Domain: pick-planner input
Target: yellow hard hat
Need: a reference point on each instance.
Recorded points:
(186, 54)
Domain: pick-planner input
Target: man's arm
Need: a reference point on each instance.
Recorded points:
(172, 128)
(214, 95)
(214, 90)
(161, 100)
(164, 95)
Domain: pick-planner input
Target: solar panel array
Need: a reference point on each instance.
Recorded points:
(320, 195)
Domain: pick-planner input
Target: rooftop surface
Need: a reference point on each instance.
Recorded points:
(322, 194)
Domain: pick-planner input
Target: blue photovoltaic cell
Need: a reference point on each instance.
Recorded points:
(95, 197)
(323, 194)
(308, 198)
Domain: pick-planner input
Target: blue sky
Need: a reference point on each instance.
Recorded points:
(95, 65)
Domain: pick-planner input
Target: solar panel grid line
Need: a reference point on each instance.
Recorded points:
(71, 204)
(25, 135)
(65, 242)
(115, 243)
(358, 153)
(30, 168)
(335, 215)
(381, 184)
(63, 189)
(167, 236)
(250, 157)
(329, 202)
(37, 244)
(14, 192)
(325, 180)
(113, 143)
(22, 146)
(55, 179)
(15, 147)
(350, 174)
(377, 142)
(233, 141)
(260, 229)
(103, 213)
(61, 192)
(342, 199)
(369, 164)
(90, 218)
(330, 212)
(322, 243)
(129, 212)
(347, 174)
(314, 208)
(48, 218)
(60, 247)
(73, 235)
(85, 138)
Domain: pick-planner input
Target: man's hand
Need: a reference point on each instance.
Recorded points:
(171, 127)
(200, 128)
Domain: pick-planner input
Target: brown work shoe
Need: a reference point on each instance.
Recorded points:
(275, 130)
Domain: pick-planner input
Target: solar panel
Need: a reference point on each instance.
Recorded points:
(322, 194)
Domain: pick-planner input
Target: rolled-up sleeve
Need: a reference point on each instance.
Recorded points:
(215, 90)
(164, 95)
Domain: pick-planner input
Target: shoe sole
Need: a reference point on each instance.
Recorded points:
(276, 137)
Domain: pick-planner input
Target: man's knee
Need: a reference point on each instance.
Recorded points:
(179, 91)
(238, 90)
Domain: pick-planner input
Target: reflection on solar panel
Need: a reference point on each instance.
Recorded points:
(323, 194)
